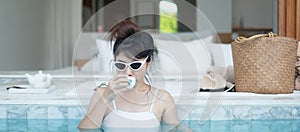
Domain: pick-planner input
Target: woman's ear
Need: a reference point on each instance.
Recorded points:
(149, 63)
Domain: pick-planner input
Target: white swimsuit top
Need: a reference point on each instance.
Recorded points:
(118, 119)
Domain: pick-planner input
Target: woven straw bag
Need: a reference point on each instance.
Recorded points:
(264, 64)
(297, 67)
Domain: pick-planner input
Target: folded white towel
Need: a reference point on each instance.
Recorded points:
(215, 78)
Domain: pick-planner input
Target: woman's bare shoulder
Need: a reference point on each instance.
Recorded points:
(163, 94)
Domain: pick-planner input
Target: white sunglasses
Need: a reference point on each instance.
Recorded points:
(135, 65)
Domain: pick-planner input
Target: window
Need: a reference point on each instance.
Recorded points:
(168, 17)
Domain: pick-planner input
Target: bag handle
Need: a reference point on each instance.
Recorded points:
(243, 39)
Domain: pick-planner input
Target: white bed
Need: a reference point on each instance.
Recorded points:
(181, 53)
(181, 61)
(181, 56)
(73, 87)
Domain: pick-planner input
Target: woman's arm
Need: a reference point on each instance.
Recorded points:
(100, 100)
(97, 108)
(170, 118)
(80, 63)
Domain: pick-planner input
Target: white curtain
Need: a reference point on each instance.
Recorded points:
(63, 27)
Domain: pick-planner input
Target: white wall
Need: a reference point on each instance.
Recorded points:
(63, 27)
(255, 13)
(218, 12)
(224, 14)
(22, 34)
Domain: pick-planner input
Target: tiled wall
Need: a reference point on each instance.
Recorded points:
(27, 111)
(245, 118)
(244, 112)
(39, 117)
(13, 117)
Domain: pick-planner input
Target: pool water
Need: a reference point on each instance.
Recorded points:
(245, 125)
(61, 125)
(39, 125)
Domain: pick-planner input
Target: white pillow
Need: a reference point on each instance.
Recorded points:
(222, 55)
(105, 55)
(168, 64)
(200, 54)
(227, 54)
(92, 65)
(102, 62)
(177, 58)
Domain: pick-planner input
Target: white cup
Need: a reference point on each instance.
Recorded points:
(131, 81)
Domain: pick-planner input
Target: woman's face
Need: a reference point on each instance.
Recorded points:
(134, 67)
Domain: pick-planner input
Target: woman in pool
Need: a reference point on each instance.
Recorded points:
(117, 107)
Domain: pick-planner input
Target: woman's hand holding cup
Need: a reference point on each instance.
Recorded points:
(117, 84)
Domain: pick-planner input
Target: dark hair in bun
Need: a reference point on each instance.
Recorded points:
(131, 41)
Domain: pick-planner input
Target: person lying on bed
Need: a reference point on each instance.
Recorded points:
(144, 107)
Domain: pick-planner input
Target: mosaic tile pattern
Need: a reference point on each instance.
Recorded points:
(16, 112)
(75, 112)
(281, 112)
(296, 112)
(36, 111)
(244, 126)
(244, 112)
(258, 112)
(186, 112)
(3, 113)
(223, 118)
(57, 112)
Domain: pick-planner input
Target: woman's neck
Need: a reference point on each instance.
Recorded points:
(141, 88)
